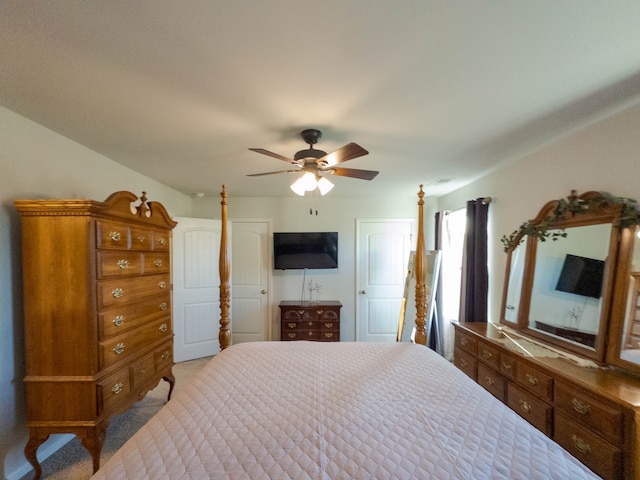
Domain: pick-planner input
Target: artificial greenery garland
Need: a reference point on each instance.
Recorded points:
(629, 216)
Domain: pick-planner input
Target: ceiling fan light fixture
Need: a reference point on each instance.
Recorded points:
(298, 187)
(324, 185)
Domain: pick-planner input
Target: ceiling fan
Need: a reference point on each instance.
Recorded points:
(315, 162)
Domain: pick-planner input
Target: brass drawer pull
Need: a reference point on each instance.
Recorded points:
(123, 264)
(166, 355)
(117, 388)
(328, 335)
(293, 335)
(464, 342)
(143, 371)
(163, 306)
(328, 325)
(291, 325)
(463, 363)
(581, 445)
(118, 321)
(115, 236)
(487, 355)
(119, 349)
(581, 407)
(162, 241)
(490, 381)
(311, 324)
(310, 334)
(158, 263)
(162, 284)
(141, 238)
(319, 312)
(506, 366)
(117, 292)
(525, 406)
(533, 380)
(164, 327)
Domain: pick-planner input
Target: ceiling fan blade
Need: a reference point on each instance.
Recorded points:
(348, 152)
(271, 154)
(273, 173)
(353, 173)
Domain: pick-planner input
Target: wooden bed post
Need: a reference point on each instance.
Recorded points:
(224, 336)
(420, 266)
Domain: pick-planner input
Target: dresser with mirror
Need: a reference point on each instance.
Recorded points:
(565, 353)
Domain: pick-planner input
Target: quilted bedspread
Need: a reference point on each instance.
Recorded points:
(310, 410)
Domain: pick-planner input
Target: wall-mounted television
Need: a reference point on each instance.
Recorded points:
(581, 276)
(299, 250)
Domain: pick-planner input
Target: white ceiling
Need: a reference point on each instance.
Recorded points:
(448, 89)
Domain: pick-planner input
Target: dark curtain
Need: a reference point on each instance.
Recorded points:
(475, 277)
(436, 340)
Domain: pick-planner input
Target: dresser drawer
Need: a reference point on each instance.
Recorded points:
(142, 371)
(123, 347)
(123, 318)
(535, 381)
(325, 314)
(161, 241)
(163, 356)
(114, 389)
(597, 454)
(156, 263)
(329, 336)
(508, 366)
(489, 355)
(606, 419)
(119, 264)
(466, 342)
(465, 362)
(141, 238)
(530, 407)
(295, 315)
(126, 290)
(492, 381)
(112, 235)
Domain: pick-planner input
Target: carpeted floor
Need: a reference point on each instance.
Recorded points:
(73, 462)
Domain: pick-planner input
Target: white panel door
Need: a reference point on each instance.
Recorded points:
(196, 288)
(383, 248)
(251, 276)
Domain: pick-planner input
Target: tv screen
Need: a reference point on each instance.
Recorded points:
(313, 250)
(581, 276)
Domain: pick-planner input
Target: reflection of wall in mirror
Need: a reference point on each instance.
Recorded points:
(515, 283)
(562, 309)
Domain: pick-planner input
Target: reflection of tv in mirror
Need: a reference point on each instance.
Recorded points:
(581, 276)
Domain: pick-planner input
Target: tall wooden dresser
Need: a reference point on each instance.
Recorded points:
(317, 321)
(97, 312)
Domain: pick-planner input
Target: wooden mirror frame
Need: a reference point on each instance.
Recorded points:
(590, 208)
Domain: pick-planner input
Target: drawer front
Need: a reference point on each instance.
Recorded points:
(535, 381)
(327, 314)
(489, 355)
(466, 342)
(465, 362)
(141, 238)
(120, 264)
(508, 366)
(112, 235)
(163, 356)
(142, 371)
(301, 335)
(161, 241)
(156, 263)
(127, 317)
(604, 418)
(113, 390)
(492, 381)
(125, 346)
(597, 454)
(112, 293)
(530, 407)
(295, 315)
(329, 336)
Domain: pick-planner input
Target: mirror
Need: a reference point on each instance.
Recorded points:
(563, 272)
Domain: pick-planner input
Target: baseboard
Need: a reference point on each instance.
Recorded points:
(48, 448)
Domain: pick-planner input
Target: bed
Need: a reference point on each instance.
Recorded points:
(311, 410)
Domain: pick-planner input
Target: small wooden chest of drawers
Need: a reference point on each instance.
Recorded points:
(318, 321)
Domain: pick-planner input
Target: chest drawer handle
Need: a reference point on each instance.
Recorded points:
(319, 312)
(525, 406)
(301, 312)
(490, 381)
(119, 349)
(328, 335)
(158, 263)
(291, 325)
(164, 327)
(162, 284)
(532, 379)
(581, 407)
(506, 366)
(463, 363)
(163, 306)
(310, 334)
(165, 355)
(311, 324)
(118, 321)
(123, 264)
(292, 335)
(141, 238)
(464, 342)
(115, 236)
(117, 292)
(162, 241)
(487, 355)
(117, 388)
(328, 325)
(581, 445)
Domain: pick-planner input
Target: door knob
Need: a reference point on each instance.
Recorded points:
(363, 292)
(263, 292)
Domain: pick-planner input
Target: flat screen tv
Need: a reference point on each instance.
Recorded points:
(299, 250)
(581, 276)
